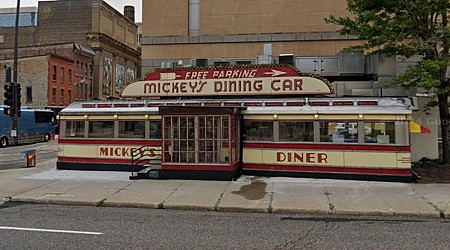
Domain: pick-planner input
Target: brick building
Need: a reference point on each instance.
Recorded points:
(34, 84)
(52, 76)
(95, 25)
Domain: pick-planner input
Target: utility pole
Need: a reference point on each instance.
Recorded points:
(14, 118)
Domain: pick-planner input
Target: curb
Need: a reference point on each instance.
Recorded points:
(55, 202)
(104, 203)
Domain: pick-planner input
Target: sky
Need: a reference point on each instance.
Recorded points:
(117, 4)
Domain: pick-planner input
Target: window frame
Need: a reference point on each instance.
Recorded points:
(54, 73)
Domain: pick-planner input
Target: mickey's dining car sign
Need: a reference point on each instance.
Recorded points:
(254, 80)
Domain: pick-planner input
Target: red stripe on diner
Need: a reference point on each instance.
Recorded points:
(95, 160)
(360, 147)
(172, 166)
(166, 166)
(117, 142)
(313, 169)
(295, 104)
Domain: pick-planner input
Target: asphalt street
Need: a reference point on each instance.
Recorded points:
(27, 226)
(12, 157)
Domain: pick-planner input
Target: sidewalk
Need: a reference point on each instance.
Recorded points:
(45, 184)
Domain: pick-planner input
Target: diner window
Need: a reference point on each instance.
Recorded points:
(131, 129)
(213, 139)
(55, 68)
(339, 132)
(74, 129)
(101, 129)
(180, 138)
(379, 132)
(155, 130)
(291, 131)
(258, 130)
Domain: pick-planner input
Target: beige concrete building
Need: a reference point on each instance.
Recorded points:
(236, 30)
(228, 32)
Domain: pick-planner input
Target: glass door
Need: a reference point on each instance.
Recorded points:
(201, 139)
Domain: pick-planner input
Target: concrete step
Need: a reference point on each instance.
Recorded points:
(149, 172)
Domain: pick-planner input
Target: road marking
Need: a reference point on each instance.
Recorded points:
(48, 230)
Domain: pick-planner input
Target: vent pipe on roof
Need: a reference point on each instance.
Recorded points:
(128, 11)
(194, 17)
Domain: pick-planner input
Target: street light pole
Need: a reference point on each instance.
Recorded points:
(14, 119)
(16, 42)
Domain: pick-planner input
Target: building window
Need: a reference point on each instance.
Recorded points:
(29, 94)
(69, 96)
(78, 92)
(54, 95)
(26, 19)
(138, 37)
(86, 70)
(78, 68)
(91, 71)
(69, 76)
(54, 73)
(221, 63)
(81, 69)
(61, 98)
(243, 62)
(62, 74)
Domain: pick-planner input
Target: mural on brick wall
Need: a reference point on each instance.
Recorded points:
(107, 75)
(120, 77)
(130, 75)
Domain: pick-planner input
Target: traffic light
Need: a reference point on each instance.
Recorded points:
(18, 100)
(7, 111)
(9, 94)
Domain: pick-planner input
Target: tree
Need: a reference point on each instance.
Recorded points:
(407, 28)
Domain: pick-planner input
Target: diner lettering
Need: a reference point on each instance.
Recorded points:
(249, 85)
(300, 157)
(227, 82)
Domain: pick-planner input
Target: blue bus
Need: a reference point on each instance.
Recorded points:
(33, 126)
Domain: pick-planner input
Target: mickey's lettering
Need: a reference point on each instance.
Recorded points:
(122, 151)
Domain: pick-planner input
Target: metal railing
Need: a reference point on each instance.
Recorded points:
(144, 156)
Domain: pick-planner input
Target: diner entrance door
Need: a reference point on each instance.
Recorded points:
(201, 139)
